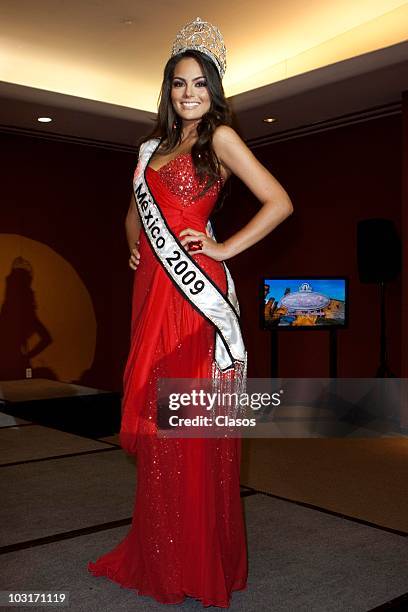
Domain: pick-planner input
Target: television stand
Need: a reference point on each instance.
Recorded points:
(274, 350)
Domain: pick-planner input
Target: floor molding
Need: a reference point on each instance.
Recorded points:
(65, 456)
(347, 517)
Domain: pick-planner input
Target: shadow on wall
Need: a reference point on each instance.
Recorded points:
(19, 321)
(47, 319)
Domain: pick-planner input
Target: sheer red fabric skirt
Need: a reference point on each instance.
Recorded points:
(187, 536)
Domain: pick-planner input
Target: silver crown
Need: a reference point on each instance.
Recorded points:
(205, 37)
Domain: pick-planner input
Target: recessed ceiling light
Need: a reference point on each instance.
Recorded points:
(44, 119)
(127, 21)
(269, 119)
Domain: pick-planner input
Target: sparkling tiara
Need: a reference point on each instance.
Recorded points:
(205, 37)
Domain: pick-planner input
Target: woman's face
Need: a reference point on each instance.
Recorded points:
(189, 93)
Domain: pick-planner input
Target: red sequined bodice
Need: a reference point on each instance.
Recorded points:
(180, 177)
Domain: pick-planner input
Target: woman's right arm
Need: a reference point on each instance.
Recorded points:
(133, 226)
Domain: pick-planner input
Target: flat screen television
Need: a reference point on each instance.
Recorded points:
(291, 303)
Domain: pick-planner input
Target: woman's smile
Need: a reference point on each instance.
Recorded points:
(189, 90)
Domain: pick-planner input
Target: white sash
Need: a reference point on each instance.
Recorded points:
(180, 266)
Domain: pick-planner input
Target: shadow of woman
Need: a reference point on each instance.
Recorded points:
(18, 323)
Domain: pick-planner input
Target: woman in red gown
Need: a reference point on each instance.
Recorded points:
(187, 536)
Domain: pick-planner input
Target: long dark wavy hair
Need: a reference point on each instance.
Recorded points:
(169, 126)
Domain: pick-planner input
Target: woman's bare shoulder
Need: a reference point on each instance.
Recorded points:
(224, 139)
(228, 147)
(225, 136)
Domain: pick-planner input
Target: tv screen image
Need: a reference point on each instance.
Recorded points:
(304, 303)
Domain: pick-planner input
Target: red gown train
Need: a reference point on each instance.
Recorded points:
(187, 536)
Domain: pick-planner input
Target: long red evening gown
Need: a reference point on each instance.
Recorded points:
(187, 536)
